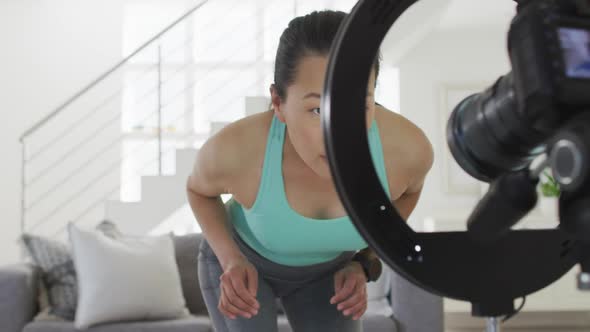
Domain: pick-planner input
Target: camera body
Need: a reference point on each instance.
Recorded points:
(549, 47)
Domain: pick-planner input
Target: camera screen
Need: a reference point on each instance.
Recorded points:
(575, 43)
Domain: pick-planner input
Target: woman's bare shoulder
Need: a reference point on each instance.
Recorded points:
(235, 150)
(406, 147)
(244, 138)
(397, 128)
(248, 129)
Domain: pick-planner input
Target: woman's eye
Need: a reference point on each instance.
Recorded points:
(317, 110)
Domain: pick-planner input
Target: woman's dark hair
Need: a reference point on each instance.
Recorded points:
(311, 34)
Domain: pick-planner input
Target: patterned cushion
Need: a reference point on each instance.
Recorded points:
(58, 274)
(58, 287)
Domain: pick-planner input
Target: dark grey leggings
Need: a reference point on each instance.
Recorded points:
(304, 292)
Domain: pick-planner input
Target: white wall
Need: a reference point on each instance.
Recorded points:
(50, 50)
(455, 58)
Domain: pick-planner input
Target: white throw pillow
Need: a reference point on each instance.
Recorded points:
(125, 279)
(377, 291)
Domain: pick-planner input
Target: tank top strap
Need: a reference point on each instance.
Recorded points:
(272, 165)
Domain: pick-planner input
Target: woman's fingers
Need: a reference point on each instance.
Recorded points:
(238, 285)
(223, 305)
(222, 309)
(347, 290)
(242, 297)
(357, 311)
(357, 297)
(225, 312)
(234, 303)
(338, 283)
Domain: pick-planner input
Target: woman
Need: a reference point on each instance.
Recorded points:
(285, 233)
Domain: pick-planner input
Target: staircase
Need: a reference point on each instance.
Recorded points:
(76, 160)
(161, 196)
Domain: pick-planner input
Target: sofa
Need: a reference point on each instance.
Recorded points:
(413, 309)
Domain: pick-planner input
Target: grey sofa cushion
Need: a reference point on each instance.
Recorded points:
(186, 249)
(189, 324)
(18, 291)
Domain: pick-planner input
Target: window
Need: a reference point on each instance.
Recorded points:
(200, 71)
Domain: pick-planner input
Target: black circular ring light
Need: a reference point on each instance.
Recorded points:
(449, 264)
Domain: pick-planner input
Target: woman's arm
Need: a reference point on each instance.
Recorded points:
(213, 173)
(417, 162)
(407, 202)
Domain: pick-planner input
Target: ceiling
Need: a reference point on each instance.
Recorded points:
(429, 16)
(461, 14)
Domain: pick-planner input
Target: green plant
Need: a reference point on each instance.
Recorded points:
(549, 187)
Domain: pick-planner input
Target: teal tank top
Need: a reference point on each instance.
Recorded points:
(279, 233)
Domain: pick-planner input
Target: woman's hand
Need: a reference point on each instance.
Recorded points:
(350, 287)
(239, 285)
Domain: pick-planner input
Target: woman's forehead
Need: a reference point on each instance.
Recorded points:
(311, 72)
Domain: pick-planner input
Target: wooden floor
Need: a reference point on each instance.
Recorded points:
(560, 321)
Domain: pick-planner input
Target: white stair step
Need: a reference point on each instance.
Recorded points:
(256, 104)
(185, 160)
(138, 218)
(161, 196)
(156, 189)
(125, 216)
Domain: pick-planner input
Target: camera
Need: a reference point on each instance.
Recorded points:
(505, 127)
(541, 107)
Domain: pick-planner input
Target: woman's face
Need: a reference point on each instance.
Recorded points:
(301, 112)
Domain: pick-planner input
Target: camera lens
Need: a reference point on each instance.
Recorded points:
(488, 135)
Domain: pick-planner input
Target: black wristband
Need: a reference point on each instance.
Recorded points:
(363, 264)
(371, 267)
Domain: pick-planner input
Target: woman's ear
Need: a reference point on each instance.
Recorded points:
(276, 103)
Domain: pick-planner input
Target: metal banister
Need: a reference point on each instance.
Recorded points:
(58, 110)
